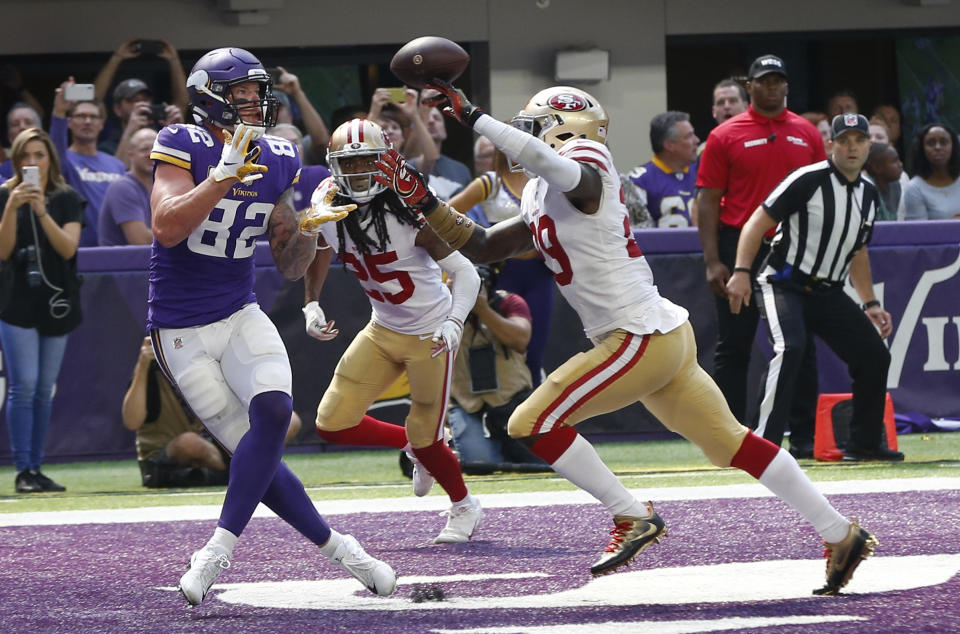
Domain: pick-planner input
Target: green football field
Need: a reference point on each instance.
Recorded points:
(376, 474)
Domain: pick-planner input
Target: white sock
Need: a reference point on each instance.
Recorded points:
(222, 538)
(469, 500)
(330, 548)
(581, 465)
(784, 477)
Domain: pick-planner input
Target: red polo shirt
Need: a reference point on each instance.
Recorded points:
(749, 154)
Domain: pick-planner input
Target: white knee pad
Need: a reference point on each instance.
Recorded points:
(208, 395)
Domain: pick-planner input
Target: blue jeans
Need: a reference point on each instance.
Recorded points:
(471, 439)
(32, 364)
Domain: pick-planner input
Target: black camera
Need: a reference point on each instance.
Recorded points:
(158, 112)
(148, 47)
(28, 257)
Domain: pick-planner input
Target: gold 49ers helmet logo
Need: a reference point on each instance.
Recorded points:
(567, 102)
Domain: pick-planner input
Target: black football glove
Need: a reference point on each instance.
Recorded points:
(409, 184)
(453, 102)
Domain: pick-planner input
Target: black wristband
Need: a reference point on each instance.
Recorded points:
(472, 116)
(742, 269)
(871, 304)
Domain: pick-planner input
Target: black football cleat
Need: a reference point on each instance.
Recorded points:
(630, 535)
(844, 557)
(878, 454)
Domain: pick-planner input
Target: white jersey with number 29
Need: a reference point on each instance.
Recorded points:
(595, 261)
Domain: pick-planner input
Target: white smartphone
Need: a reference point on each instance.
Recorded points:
(31, 175)
(78, 92)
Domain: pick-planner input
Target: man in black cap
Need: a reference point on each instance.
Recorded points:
(744, 159)
(132, 97)
(825, 213)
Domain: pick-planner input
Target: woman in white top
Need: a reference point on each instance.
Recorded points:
(934, 193)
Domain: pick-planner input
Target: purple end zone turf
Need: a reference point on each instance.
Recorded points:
(106, 577)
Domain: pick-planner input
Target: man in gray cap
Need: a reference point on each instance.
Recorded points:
(825, 213)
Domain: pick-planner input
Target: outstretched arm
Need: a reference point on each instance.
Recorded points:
(292, 251)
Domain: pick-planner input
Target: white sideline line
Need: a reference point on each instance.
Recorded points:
(439, 502)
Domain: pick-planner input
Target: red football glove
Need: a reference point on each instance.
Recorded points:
(409, 184)
(453, 102)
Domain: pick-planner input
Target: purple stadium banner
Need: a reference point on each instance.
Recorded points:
(916, 270)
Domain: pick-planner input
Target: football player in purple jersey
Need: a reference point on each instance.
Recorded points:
(219, 184)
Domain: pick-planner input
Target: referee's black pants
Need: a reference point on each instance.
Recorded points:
(731, 358)
(793, 317)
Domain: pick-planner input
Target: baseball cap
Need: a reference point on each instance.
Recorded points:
(128, 88)
(767, 64)
(843, 123)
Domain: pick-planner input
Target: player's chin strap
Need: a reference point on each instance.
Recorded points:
(532, 153)
(464, 285)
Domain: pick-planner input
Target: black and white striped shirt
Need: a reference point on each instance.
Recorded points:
(824, 221)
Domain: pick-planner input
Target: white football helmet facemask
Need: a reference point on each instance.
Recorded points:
(357, 138)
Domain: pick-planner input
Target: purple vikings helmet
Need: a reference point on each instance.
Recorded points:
(210, 81)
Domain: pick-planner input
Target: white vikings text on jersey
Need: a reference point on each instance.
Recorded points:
(595, 261)
(404, 284)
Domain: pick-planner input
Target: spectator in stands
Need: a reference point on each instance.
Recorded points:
(885, 170)
(666, 184)
(317, 135)
(130, 93)
(20, 117)
(133, 106)
(39, 296)
(173, 448)
(86, 169)
(729, 99)
(405, 127)
(483, 151)
(891, 117)
(125, 214)
(934, 192)
(310, 175)
(878, 131)
(744, 160)
(448, 175)
(494, 197)
(490, 378)
(12, 92)
(841, 102)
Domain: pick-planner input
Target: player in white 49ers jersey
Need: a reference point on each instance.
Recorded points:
(644, 347)
(416, 322)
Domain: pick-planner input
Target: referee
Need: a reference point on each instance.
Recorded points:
(826, 213)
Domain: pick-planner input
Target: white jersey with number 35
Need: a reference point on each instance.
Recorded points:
(595, 261)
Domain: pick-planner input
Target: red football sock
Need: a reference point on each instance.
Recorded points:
(369, 433)
(755, 455)
(443, 465)
(553, 444)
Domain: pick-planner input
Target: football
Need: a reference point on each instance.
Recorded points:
(424, 58)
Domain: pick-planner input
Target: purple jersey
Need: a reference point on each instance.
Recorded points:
(668, 195)
(209, 275)
(310, 177)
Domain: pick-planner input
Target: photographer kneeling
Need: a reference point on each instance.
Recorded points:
(490, 378)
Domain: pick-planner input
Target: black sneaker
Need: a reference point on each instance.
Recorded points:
(801, 451)
(630, 535)
(855, 454)
(46, 484)
(26, 482)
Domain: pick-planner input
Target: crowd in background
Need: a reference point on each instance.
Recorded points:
(97, 175)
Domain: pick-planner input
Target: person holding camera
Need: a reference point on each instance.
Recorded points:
(85, 168)
(173, 447)
(134, 96)
(39, 295)
(490, 378)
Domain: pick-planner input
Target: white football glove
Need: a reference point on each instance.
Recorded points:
(236, 161)
(317, 325)
(322, 209)
(447, 336)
